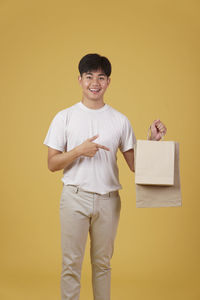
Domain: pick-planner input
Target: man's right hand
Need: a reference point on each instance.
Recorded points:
(58, 160)
(88, 148)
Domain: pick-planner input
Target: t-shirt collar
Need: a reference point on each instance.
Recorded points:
(85, 108)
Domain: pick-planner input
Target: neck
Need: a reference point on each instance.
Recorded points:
(93, 104)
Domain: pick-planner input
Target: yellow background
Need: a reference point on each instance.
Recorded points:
(154, 50)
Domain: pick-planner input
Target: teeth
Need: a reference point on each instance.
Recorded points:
(94, 90)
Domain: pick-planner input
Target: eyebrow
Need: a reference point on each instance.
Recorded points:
(90, 73)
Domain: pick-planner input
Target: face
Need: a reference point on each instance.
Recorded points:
(94, 84)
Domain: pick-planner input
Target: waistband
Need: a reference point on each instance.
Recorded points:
(77, 188)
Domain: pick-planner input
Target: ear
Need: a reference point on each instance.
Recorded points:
(109, 79)
(79, 79)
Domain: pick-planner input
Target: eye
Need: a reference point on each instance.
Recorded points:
(101, 78)
(88, 77)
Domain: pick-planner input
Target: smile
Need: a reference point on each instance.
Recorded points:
(94, 90)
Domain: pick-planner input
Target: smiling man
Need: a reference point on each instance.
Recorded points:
(83, 141)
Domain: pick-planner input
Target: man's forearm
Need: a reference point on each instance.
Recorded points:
(129, 157)
(62, 160)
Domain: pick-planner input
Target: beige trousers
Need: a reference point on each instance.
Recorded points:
(82, 212)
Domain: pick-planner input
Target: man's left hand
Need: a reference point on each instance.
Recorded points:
(158, 130)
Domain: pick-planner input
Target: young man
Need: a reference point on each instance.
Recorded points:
(83, 141)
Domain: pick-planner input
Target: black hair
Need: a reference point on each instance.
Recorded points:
(93, 62)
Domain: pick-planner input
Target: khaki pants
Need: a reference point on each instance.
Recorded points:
(82, 212)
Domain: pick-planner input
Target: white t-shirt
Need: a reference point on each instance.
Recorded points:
(73, 125)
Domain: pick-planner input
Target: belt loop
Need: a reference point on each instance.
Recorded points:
(76, 189)
(109, 194)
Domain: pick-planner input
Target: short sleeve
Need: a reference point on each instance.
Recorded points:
(56, 137)
(128, 139)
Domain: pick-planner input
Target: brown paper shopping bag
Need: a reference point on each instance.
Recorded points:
(160, 195)
(155, 162)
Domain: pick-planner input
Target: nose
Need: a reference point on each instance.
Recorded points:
(95, 80)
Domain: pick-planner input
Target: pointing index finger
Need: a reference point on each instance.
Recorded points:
(103, 147)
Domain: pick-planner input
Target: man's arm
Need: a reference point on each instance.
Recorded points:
(129, 157)
(58, 160)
